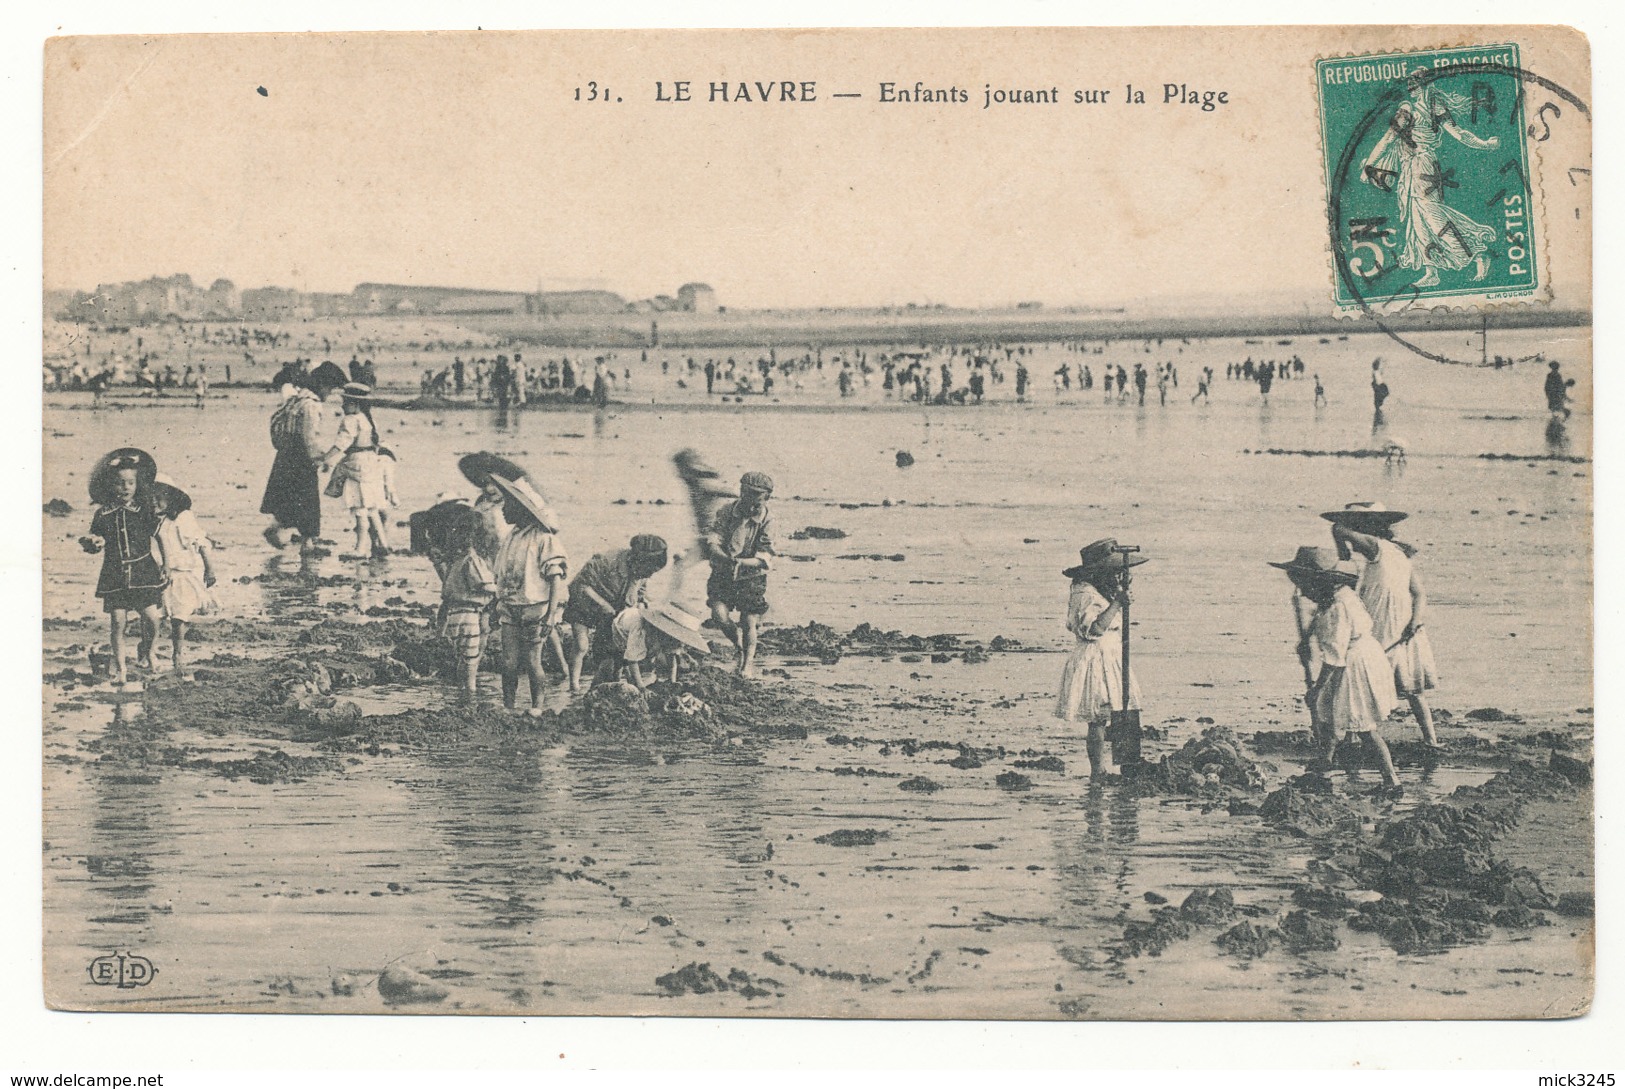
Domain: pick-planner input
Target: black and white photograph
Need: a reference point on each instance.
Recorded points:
(1012, 525)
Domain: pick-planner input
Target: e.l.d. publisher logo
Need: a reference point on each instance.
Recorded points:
(122, 970)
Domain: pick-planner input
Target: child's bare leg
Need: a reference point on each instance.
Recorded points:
(177, 634)
(533, 672)
(1424, 719)
(380, 528)
(719, 613)
(361, 533)
(115, 638)
(510, 664)
(470, 646)
(581, 642)
(556, 641)
(150, 621)
(1096, 746)
(1385, 759)
(747, 657)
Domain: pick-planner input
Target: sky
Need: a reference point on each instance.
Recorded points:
(467, 159)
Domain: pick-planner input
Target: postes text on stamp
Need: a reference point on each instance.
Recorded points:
(1429, 188)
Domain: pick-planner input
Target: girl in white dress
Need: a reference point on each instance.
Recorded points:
(1351, 686)
(1392, 593)
(359, 475)
(187, 556)
(1092, 678)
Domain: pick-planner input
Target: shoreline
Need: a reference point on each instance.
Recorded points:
(1422, 876)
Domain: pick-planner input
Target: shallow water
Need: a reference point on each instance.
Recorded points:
(536, 883)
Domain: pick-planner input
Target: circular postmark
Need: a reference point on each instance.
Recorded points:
(1397, 134)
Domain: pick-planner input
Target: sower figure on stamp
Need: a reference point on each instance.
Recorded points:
(739, 545)
(1392, 593)
(1406, 159)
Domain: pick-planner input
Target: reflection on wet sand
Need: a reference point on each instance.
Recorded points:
(130, 836)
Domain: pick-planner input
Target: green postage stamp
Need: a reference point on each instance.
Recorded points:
(1428, 183)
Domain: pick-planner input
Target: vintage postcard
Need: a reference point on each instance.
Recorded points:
(1028, 524)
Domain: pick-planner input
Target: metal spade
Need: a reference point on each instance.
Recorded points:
(1124, 732)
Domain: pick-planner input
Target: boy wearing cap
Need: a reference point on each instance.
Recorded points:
(739, 545)
(606, 586)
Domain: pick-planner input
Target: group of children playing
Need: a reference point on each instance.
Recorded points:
(1362, 641)
(503, 567)
(156, 559)
(1359, 605)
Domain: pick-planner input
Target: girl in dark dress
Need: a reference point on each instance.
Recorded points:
(122, 530)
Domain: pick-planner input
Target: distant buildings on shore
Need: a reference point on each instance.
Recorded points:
(162, 298)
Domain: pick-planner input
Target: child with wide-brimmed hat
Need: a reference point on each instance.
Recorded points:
(531, 567)
(1392, 592)
(607, 585)
(648, 634)
(188, 559)
(1092, 680)
(132, 578)
(739, 545)
(1351, 686)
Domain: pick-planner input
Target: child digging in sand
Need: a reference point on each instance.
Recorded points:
(1392, 593)
(122, 530)
(530, 572)
(607, 585)
(1092, 679)
(188, 563)
(1351, 685)
(739, 545)
(466, 594)
(650, 636)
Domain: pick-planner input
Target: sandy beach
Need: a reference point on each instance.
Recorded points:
(883, 825)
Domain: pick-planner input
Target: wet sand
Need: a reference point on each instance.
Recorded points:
(558, 871)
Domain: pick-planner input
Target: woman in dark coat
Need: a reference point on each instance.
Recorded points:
(293, 492)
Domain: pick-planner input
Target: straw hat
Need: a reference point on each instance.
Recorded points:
(525, 494)
(356, 391)
(1365, 513)
(175, 497)
(1322, 564)
(677, 623)
(125, 457)
(480, 467)
(1098, 558)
